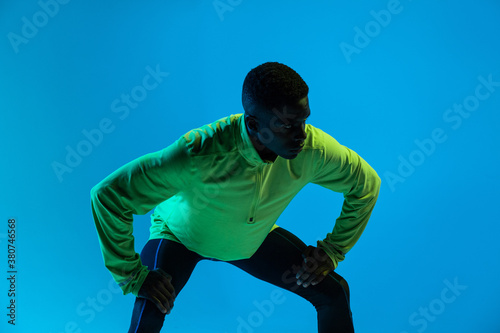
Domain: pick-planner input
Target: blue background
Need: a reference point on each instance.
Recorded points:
(379, 84)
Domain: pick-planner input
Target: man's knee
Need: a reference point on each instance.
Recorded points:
(342, 282)
(345, 286)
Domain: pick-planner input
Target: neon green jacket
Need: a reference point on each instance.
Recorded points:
(214, 194)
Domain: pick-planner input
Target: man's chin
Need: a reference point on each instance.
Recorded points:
(290, 155)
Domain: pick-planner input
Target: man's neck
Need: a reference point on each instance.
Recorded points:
(264, 153)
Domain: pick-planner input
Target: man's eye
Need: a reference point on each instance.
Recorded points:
(289, 126)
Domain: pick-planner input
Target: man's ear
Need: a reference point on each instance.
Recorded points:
(252, 122)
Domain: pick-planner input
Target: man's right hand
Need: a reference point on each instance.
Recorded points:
(158, 289)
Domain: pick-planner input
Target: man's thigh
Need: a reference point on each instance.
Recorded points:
(173, 258)
(176, 260)
(278, 260)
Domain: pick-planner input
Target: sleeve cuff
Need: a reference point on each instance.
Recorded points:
(332, 253)
(135, 282)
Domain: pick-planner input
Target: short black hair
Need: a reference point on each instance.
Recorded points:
(272, 85)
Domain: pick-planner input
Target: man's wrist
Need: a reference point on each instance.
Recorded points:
(331, 255)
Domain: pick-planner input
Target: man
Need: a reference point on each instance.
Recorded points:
(218, 191)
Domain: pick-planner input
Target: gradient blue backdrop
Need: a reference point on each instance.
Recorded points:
(379, 84)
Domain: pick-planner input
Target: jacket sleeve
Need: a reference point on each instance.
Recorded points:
(135, 188)
(342, 170)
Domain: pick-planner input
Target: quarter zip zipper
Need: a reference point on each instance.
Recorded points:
(256, 197)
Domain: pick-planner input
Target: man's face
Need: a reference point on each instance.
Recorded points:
(282, 132)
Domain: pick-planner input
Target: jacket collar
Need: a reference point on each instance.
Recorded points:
(245, 145)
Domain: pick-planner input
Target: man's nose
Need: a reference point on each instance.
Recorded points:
(300, 137)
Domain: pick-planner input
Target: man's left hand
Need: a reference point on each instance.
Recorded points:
(315, 267)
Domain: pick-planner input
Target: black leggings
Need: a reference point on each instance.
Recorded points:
(276, 261)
